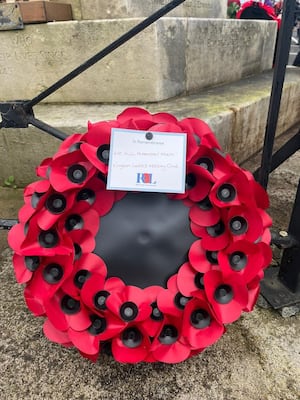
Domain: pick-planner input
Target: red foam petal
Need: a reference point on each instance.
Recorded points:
(197, 257)
(171, 354)
(99, 133)
(230, 312)
(204, 217)
(166, 303)
(186, 280)
(54, 334)
(133, 113)
(22, 273)
(164, 118)
(85, 342)
(16, 237)
(91, 154)
(43, 169)
(201, 338)
(34, 305)
(125, 354)
(67, 144)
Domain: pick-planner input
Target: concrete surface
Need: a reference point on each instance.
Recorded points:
(169, 58)
(237, 114)
(257, 359)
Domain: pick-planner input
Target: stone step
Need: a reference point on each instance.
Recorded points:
(172, 57)
(236, 112)
(106, 9)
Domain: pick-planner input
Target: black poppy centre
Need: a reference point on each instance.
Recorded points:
(145, 238)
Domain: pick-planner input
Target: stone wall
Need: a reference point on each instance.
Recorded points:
(172, 57)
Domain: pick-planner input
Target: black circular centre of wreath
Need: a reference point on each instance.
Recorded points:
(145, 238)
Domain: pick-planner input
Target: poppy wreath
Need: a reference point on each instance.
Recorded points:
(261, 11)
(66, 282)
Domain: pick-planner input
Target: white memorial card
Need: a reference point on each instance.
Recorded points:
(147, 161)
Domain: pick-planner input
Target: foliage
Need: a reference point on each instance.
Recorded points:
(10, 182)
(232, 9)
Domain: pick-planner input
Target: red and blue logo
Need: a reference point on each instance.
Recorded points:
(144, 178)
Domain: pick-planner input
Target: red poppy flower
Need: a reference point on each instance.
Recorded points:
(198, 184)
(215, 237)
(49, 276)
(84, 269)
(97, 144)
(200, 327)
(266, 251)
(30, 240)
(228, 295)
(213, 161)
(129, 305)
(34, 198)
(55, 205)
(96, 196)
(245, 223)
(70, 171)
(131, 345)
(169, 346)
(232, 190)
(100, 329)
(77, 220)
(65, 312)
(94, 292)
(133, 113)
(242, 257)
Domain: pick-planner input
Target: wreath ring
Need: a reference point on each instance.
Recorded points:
(89, 307)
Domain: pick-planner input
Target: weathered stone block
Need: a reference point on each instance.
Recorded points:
(217, 53)
(105, 9)
(171, 57)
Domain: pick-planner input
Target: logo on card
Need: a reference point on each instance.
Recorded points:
(144, 178)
